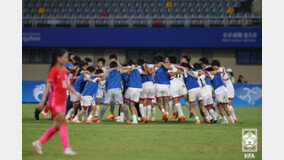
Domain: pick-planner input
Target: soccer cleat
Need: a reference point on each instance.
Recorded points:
(46, 115)
(236, 120)
(75, 121)
(165, 117)
(89, 121)
(95, 118)
(98, 122)
(197, 122)
(175, 115)
(172, 116)
(229, 120)
(38, 147)
(36, 114)
(182, 118)
(67, 121)
(111, 117)
(224, 122)
(203, 122)
(128, 122)
(84, 121)
(134, 122)
(179, 119)
(207, 121)
(141, 120)
(146, 120)
(153, 119)
(119, 120)
(69, 151)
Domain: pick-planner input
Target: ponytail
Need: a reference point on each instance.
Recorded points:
(57, 53)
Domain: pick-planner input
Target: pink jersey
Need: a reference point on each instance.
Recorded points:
(59, 81)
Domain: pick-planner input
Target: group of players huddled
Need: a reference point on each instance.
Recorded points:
(141, 85)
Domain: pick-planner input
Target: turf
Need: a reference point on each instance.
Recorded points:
(155, 140)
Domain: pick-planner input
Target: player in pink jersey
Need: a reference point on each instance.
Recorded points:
(56, 85)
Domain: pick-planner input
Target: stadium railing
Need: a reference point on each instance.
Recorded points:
(142, 21)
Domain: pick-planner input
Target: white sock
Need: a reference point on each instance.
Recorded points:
(167, 113)
(225, 119)
(216, 108)
(171, 104)
(148, 111)
(97, 110)
(90, 117)
(141, 108)
(197, 118)
(70, 112)
(163, 110)
(121, 115)
(134, 118)
(153, 110)
(232, 120)
(212, 113)
(179, 109)
(232, 111)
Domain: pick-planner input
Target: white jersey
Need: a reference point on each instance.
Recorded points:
(102, 84)
(177, 79)
(205, 89)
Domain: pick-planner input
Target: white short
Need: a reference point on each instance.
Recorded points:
(195, 94)
(208, 101)
(101, 93)
(162, 90)
(115, 93)
(74, 98)
(177, 90)
(87, 101)
(222, 98)
(132, 94)
(148, 91)
(231, 92)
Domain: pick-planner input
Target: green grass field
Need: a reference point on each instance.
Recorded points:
(155, 140)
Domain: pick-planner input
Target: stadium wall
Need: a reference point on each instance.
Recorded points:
(245, 94)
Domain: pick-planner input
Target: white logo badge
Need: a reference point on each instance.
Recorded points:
(38, 90)
(249, 140)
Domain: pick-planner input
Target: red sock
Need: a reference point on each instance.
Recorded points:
(64, 136)
(47, 134)
(46, 108)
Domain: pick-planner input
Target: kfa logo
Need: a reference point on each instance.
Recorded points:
(249, 142)
(38, 90)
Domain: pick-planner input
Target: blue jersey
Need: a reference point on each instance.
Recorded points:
(146, 78)
(162, 76)
(91, 88)
(125, 79)
(79, 84)
(217, 81)
(190, 82)
(68, 65)
(134, 79)
(113, 80)
(207, 79)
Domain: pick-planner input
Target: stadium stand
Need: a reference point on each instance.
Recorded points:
(139, 13)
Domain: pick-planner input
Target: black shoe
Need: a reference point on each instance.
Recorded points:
(215, 122)
(36, 113)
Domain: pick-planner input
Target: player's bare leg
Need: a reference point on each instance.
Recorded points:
(232, 111)
(96, 114)
(71, 111)
(204, 111)
(192, 107)
(225, 106)
(181, 117)
(133, 111)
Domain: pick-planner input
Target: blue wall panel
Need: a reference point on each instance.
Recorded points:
(142, 37)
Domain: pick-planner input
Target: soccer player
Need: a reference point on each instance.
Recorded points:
(221, 93)
(194, 92)
(176, 87)
(113, 90)
(101, 91)
(231, 93)
(148, 92)
(206, 90)
(78, 86)
(134, 87)
(57, 84)
(90, 91)
(89, 61)
(162, 85)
